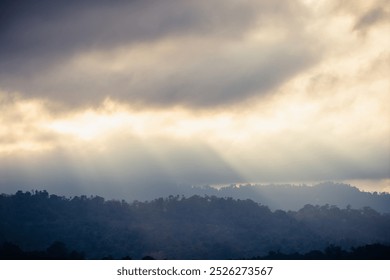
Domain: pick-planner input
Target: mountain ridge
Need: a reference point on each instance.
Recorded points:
(179, 227)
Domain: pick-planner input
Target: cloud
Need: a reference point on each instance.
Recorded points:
(370, 18)
(199, 79)
(59, 25)
(44, 41)
(22, 125)
(365, 14)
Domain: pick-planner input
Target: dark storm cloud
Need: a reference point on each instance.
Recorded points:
(42, 25)
(214, 80)
(41, 36)
(226, 80)
(44, 28)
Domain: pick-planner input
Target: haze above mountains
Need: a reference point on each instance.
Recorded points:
(290, 197)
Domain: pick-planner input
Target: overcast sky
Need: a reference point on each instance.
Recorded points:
(105, 97)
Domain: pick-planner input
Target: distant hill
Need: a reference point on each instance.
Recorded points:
(292, 197)
(178, 227)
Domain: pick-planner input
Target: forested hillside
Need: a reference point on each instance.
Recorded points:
(182, 227)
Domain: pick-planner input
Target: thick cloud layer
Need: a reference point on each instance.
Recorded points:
(64, 26)
(210, 62)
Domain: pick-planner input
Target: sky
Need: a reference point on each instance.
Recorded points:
(109, 97)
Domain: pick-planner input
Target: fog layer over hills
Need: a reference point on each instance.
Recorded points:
(291, 197)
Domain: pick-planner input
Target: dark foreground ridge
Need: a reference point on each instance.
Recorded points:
(59, 251)
(196, 227)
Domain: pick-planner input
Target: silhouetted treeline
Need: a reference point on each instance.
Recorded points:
(367, 252)
(56, 251)
(182, 228)
(59, 251)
